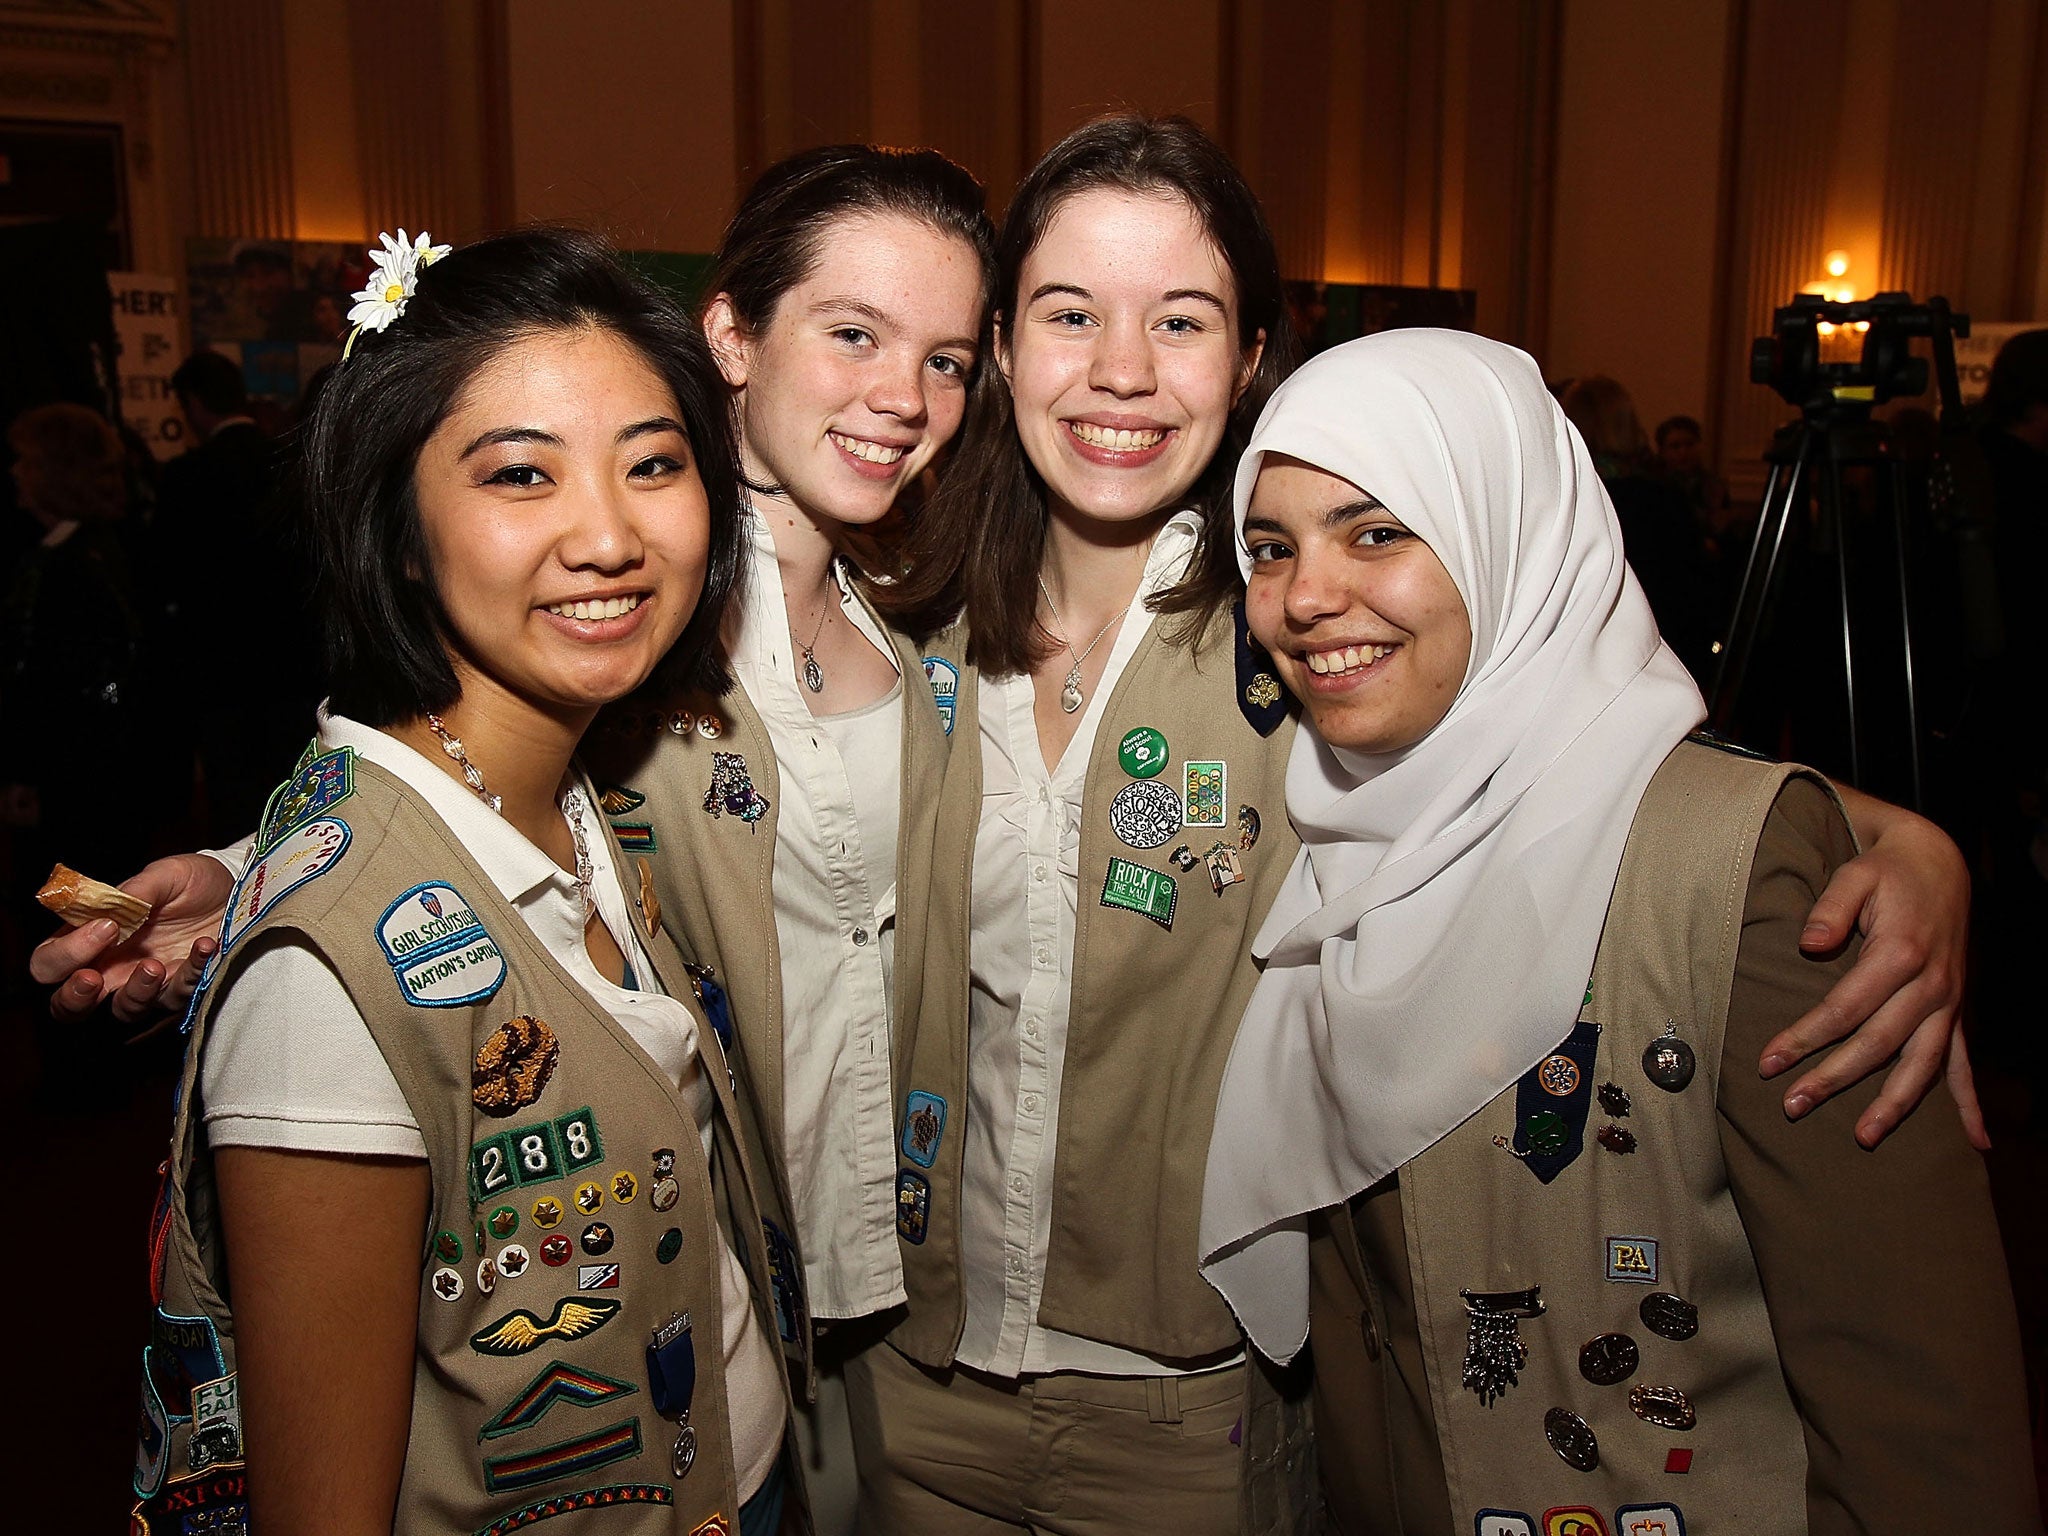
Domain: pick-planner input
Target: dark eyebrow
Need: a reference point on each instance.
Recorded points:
(1334, 517)
(1043, 289)
(509, 435)
(651, 424)
(1199, 295)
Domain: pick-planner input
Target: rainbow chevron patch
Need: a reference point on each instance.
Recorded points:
(559, 1383)
(567, 1458)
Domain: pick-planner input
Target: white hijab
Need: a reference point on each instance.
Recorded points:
(1433, 940)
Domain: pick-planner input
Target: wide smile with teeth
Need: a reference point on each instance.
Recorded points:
(1116, 439)
(602, 608)
(860, 448)
(1348, 658)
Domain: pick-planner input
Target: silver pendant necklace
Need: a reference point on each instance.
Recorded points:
(570, 804)
(814, 675)
(1071, 696)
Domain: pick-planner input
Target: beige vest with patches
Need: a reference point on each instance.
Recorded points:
(1476, 1220)
(573, 1215)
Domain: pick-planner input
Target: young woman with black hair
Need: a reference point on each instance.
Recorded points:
(775, 818)
(447, 1083)
(1063, 1366)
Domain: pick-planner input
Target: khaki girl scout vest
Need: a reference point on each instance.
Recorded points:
(692, 786)
(1179, 862)
(569, 1293)
(1639, 1258)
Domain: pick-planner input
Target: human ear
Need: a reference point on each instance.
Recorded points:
(728, 338)
(999, 343)
(1249, 367)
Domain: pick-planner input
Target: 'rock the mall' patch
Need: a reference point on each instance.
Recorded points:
(438, 949)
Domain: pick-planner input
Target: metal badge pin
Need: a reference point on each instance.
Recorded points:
(1609, 1358)
(1494, 1351)
(1668, 1061)
(1669, 1317)
(1614, 1100)
(1572, 1438)
(1666, 1407)
(1616, 1139)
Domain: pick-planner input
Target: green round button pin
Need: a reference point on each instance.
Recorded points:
(1547, 1133)
(670, 1245)
(1142, 752)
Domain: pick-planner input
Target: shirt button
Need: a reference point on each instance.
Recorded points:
(1038, 871)
(1044, 955)
(1044, 794)
(1031, 1029)
(860, 935)
(1017, 1184)
(1030, 1103)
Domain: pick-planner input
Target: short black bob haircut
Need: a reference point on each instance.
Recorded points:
(388, 640)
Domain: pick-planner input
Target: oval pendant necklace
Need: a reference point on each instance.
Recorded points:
(1071, 696)
(814, 675)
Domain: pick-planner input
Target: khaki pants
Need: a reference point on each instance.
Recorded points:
(960, 1453)
(824, 1437)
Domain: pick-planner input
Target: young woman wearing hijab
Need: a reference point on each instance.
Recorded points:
(1062, 1367)
(1575, 1265)
(778, 826)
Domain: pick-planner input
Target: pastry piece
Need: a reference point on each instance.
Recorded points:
(79, 900)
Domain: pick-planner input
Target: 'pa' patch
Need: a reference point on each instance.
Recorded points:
(945, 680)
(438, 949)
(1633, 1259)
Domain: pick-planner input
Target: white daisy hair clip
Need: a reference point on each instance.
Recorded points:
(395, 274)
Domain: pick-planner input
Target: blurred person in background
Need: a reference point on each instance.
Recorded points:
(223, 547)
(1681, 450)
(1665, 547)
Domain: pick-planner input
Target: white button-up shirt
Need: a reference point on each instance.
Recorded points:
(834, 879)
(1027, 857)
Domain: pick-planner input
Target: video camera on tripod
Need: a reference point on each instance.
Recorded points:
(1836, 431)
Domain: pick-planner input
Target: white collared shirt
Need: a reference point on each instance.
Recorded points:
(290, 1064)
(1026, 900)
(834, 880)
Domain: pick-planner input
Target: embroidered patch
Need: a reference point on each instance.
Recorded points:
(1141, 890)
(597, 1277)
(636, 836)
(182, 1353)
(1502, 1522)
(513, 1065)
(785, 1279)
(913, 1206)
(438, 949)
(216, 1425)
(295, 858)
(945, 680)
(732, 791)
(558, 1382)
(1649, 1520)
(1145, 814)
(1574, 1520)
(1205, 785)
(318, 784)
(1633, 1259)
(566, 1458)
(715, 1525)
(534, 1154)
(924, 1122)
(216, 1500)
(569, 1503)
(152, 1438)
(616, 800)
(519, 1331)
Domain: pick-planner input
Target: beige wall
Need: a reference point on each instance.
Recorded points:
(1636, 213)
(1630, 189)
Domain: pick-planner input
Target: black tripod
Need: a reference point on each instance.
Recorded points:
(1836, 433)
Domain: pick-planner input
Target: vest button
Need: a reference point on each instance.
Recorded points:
(1369, 1331)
